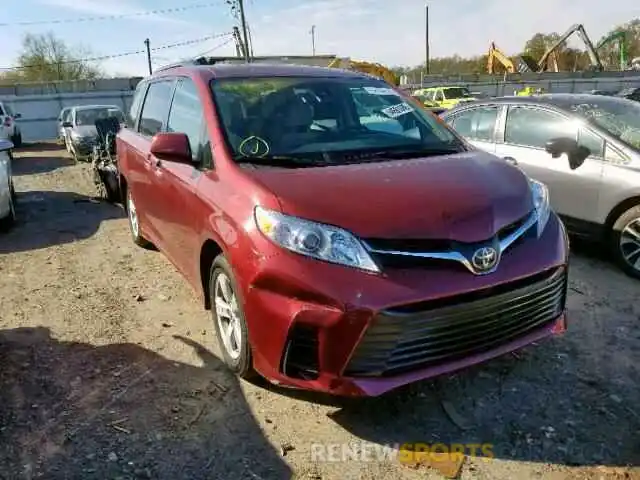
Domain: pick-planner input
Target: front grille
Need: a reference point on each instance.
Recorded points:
(301, 358)
(382, 248)
(397, 342)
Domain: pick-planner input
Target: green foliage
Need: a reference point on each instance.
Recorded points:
(45, 58)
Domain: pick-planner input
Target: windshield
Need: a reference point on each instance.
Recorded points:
(325, 121)
(619, 117)
(456, 92)
(88, 116)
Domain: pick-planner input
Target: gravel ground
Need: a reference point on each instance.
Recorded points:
(109, 370)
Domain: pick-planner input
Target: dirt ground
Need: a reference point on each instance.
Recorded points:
(108, 370)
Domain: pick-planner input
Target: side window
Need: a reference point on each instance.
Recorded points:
(439, 96)
(532, 127)
(156, 107)
(134, 111)
(477, 124)
(612, 155)
(186, 115)
(593, 142)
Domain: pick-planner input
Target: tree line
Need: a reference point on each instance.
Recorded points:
(45, 58)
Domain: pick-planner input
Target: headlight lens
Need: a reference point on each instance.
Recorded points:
(540, 194)
(323, 242)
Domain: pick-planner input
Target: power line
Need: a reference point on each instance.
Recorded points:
(123, 54)
(217, 47)
(162, 11)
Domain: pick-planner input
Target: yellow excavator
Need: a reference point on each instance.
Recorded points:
(519, 64)
(374, 69)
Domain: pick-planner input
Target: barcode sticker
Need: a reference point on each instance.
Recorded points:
(398, 110)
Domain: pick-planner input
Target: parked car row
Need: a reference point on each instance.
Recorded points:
(343, 239)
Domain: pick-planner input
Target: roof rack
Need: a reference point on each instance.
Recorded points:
(319, 60)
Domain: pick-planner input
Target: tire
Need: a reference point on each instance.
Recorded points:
(626, 250)
(134, 224)
(7, 222)
(17, 140)
(239, 359)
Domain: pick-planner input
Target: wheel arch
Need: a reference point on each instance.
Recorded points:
(618, 210)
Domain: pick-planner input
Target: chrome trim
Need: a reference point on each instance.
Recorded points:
(455, 256)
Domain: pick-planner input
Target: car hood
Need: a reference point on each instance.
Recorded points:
(85, 130)
(464, 197)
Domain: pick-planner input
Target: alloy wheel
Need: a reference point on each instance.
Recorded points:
(630, 244)
(228, 316)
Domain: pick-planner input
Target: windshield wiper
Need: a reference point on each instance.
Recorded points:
(411, 153)
(277, 161)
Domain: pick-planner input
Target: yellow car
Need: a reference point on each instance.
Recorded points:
(429, 104)
(446, 96)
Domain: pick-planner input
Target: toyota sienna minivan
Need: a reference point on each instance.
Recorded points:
(343, 249)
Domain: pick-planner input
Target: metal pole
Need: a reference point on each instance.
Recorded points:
(313, 39)
(243, 20)
(426, 39)
(147, 44)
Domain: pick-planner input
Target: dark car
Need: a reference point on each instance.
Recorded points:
(630, 94)
(599, 196)
(339, 249)
(80, 131)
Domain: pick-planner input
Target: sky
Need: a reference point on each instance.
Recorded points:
(392, 33)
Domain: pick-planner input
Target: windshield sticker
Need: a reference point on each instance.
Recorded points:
(381, 91)
(398, 110)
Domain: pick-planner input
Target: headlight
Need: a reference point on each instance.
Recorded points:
(541, 203)
(323, 242)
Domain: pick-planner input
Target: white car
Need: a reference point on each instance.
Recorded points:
(7, 193)
(9, 129)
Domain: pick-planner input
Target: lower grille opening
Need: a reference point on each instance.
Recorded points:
(444, 330)
(301, 355)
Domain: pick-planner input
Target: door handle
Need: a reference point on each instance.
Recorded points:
(155, 161)
(511, 160)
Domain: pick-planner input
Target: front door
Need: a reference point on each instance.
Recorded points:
(572, 193)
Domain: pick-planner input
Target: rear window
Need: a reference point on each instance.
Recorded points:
(153, 118)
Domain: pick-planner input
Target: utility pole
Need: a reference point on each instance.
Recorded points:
(147, 44)
(426, 38)
(313, 39)
(243, 21)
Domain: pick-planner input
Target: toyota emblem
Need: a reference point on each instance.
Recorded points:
(484, 259)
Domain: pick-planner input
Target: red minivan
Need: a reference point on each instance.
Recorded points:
(344, 239)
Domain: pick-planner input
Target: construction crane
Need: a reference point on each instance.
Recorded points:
(596, 64)
(621, 38)
(374, 69)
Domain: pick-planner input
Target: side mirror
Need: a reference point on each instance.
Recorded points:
(16, 116)
(173, 147)
(563, 145)
(67, 124)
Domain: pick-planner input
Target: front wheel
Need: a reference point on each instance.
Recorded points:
(625, 241)
(17, 140)
(229, 320)
(10, 219)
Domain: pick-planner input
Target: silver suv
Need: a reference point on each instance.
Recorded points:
(585, 148)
